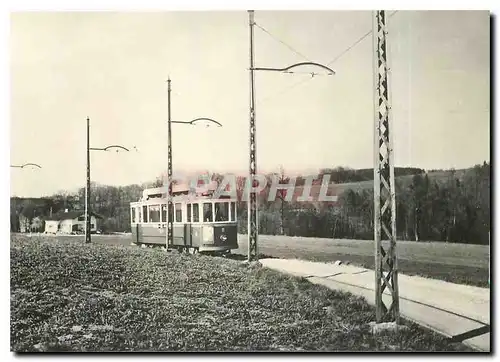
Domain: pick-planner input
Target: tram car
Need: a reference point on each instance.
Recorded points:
(201, 223)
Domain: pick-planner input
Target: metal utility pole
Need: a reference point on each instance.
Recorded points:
(253, 216)
(88, 212)
(170, 206)
(386, 270)
(88, 238)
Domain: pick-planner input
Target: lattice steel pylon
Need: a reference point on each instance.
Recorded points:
(386, 271)
(253, 221)
(170, 207)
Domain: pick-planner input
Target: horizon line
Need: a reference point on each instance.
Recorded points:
(241, 173)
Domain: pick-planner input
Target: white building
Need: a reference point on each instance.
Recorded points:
(70, 222)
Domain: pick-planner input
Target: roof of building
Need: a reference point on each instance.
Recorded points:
(70, 215)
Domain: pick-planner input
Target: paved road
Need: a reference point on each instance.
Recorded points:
(450, 309)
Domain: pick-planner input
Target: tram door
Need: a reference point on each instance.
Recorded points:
(187, 226)
(138, 232)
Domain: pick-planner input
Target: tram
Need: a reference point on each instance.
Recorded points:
(201, 223)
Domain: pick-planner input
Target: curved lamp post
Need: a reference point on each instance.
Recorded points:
(88, 238)
(33, 165)
(26, 165)
(287, 69)
(253, 220)
(118, 147)
(193, 122)
(170, 207)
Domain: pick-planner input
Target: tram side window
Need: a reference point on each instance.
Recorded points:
(233, 211)
(196, 213)
(221, 211)
(207, 212)
(145, 214)
(132, 215)
(163, 213)
(178, 212)
(154, 213)
(139, 214)
(188, 212)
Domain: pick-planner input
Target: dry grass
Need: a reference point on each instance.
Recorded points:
(68, 296)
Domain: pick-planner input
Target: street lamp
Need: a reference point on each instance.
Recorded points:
(253, 220)
(88, 237)
(287, 69)
(26, 165)
(33, 165)
(193, 122)
(170, 206)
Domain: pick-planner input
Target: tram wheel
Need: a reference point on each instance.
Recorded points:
(189, 250)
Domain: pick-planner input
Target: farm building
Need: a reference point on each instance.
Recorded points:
(68, 222)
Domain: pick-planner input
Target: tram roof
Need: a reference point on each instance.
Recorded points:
(181, 193)
(179, 189)
(183, 199)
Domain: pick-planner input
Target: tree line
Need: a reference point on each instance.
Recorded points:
(442, 206)
(449, 206)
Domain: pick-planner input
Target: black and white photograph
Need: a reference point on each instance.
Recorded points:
(266, 180)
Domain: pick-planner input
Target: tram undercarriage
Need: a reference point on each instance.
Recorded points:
(188, 250)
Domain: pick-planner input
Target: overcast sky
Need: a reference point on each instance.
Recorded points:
(112, 67)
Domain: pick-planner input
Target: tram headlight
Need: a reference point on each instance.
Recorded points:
(208, 234)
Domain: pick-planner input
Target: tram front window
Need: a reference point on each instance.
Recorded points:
(233, 211)
(207, 212)
(221, 211)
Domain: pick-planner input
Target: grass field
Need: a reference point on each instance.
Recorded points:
(456, 263)
(68, 296)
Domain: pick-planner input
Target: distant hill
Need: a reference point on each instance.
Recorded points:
(114, 202)
(404, 181)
